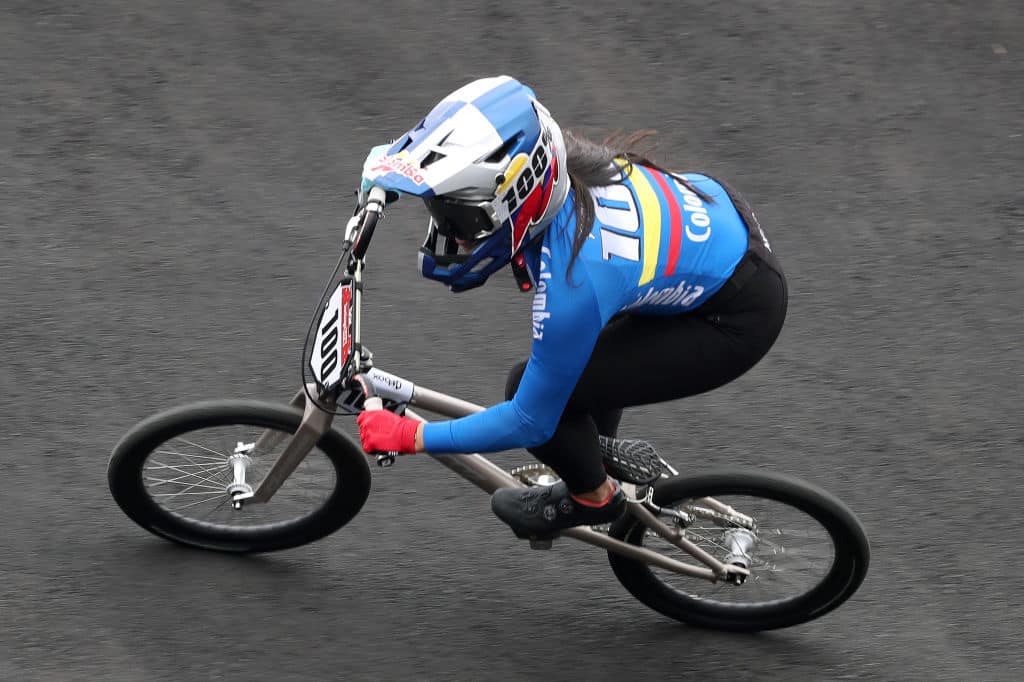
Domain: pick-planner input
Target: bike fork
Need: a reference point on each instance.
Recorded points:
(315, 423)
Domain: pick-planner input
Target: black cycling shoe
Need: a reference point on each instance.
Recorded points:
(539, 512)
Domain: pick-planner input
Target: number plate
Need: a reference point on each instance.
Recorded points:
(332, 348)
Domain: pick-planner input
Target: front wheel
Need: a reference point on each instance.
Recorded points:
(806, 552)
(171, 475)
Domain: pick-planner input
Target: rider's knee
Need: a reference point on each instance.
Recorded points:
(515, 375)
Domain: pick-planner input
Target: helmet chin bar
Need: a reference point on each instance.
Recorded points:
(440, 259)
(449, 247)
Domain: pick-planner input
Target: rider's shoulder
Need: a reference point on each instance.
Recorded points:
(708, 185)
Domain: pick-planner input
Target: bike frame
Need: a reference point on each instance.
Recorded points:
(473, 467)
(486, 475)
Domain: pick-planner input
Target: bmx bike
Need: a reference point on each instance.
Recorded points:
(735, 550)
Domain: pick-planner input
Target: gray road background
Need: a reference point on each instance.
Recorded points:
(173, 178)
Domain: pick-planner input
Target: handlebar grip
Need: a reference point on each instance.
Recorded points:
(366, 386)
(374, 210)
(365, 235)
(371, 403)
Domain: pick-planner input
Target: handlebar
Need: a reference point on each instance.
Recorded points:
(373, 211)
(334, 332)
(373, 402)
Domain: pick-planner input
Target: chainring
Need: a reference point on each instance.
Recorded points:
(535, 474)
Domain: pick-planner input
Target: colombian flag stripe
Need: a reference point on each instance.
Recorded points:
(511, 173)
(650, 214)
(676, 220)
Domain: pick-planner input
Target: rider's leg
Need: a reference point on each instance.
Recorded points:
(647, 359)
(606, 420)
(581, 466)
(639, 360)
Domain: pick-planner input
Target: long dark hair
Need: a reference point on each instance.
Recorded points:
(594, 165)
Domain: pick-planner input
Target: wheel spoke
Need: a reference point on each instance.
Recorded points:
(178, 510)
(179, 494)
(805, 552)
(704, 537)
(216, 508)
(182, 467)
(180, 475)
(185, 474)
(191, 455)
(191, 479)
(159, 482)
(203, 447)
(791, 555)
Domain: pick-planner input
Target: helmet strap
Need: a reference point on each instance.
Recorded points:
(522, 273)
(524, 280)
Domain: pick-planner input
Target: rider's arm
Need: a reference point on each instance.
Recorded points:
(566, 324)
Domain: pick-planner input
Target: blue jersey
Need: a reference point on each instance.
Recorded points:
(656, 249)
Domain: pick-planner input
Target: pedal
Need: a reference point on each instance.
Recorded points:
(536, 542)
(631, 461)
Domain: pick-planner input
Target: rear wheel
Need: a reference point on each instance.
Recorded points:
(806, 552)
(170, 474)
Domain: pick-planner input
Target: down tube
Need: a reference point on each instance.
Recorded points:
(475, 468)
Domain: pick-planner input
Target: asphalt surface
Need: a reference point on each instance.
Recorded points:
(173, 179)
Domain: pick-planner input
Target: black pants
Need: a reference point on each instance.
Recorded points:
(649, 359)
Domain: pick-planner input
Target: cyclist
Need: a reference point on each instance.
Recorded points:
(648, 286)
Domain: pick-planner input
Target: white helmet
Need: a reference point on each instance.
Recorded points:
(489, 162)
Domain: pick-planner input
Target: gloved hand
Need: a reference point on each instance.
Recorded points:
(383, 431)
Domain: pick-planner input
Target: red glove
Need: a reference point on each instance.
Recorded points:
(383, 431)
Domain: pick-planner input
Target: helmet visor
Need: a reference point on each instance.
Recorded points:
(460, 220)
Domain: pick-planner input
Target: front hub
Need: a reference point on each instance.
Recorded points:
(239, 462)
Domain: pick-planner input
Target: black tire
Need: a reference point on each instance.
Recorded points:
(125, 476)
(843, 577)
